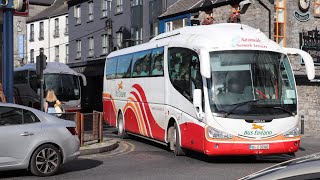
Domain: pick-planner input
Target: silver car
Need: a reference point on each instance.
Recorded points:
(306, 167)
(33, 140)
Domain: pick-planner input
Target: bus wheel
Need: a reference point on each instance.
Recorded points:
(174, 141)
(121, 131)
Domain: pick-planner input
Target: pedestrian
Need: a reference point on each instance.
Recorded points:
(2, 96)
(51, 102)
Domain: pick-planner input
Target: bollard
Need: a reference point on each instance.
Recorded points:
(82, 130)
(302, 124)
(101, 127)
(78, 124)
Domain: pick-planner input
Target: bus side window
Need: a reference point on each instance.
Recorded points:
(141, 64)
(181, 70)
(157, 62)
(124, 66)
(111, 68)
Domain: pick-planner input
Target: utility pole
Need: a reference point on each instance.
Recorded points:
(7, 65)
(9, 7)
(40, 66)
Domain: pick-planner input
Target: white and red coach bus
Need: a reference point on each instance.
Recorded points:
(223, 89)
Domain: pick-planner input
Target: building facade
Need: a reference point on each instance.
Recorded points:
(98, 27)
(48, 32)
(287, 23)
(19, 32)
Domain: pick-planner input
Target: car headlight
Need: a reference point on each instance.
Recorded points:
(215, 133)
(293, 132)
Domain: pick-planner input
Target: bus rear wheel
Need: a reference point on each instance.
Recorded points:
(174, 141)
(121, 131)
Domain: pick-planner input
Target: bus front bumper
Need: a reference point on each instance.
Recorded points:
(256, 148)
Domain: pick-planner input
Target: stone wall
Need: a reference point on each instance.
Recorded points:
(308, 95)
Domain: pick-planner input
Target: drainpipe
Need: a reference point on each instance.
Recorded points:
(269, 10)
(49, 41)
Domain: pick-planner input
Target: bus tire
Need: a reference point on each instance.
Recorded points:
(174, 141)
(121, 131)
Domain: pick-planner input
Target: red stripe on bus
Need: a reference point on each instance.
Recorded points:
(142, 111)
(157, 132)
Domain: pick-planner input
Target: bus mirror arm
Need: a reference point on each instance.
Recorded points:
(84, 79)
(197, 103)
(308, 60)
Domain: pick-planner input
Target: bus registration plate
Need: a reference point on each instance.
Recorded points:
(259, 146)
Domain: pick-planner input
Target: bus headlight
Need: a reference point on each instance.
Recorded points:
(215, 133)
(293, 132)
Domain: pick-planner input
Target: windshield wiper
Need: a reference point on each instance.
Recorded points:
(285, 110)
(238, 105)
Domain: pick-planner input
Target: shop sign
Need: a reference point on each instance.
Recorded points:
(303, 17)
(310, 42)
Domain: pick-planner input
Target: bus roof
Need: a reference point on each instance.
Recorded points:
(215, 37)
(52, 68)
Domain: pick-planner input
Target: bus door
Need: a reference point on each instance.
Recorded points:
(184, 73)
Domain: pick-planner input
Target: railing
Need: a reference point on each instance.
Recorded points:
(89, 125)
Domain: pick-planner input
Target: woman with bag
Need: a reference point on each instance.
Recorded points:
(52, 104)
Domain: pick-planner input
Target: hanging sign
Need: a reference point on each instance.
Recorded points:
(310, 42)
(303, 17)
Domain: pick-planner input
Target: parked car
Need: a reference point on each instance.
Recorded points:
(34, 140)
(306, 167)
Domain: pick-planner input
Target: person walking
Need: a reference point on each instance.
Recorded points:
(51, 102)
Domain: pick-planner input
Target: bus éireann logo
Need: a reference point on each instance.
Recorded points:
(120, 85)
(257, 130)
(255, 126)
(120, 93)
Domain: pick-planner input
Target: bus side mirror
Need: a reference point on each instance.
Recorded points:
(308, 60)
(197, 103)
(205, 63)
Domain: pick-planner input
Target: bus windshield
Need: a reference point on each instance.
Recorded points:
(66, 87)
(251, 83)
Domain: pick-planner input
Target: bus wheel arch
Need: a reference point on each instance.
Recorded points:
(173, 138)
(120, 125)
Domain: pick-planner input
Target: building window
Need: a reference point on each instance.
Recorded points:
(176, 24)
(78, 56)
(91, 47)
(119, 39)
(32, 32)
(41, 31)
(66, 32)
(154, 28)
(317, 8)
(90, 10)
(56, 53)
(67, 53)
(119, 6)
(106, 5)
(280, 23)
(136, 2)
(168, 26)
(56, 28)
(77, 14)
(32, 56)
(136, 34)
(105, 43)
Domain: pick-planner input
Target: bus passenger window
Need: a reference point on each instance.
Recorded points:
(111, 68)
(141, 64)
(184, 71)
(157, 62)
(124, 66)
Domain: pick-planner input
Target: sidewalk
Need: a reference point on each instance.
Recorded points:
(94, 147)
